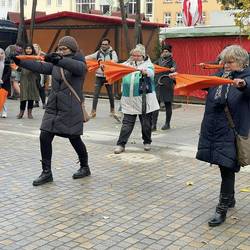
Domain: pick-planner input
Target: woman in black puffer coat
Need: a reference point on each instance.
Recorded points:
(63, 114)
(217, 139)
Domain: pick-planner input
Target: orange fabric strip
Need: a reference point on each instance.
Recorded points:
(185, 83)
(30, 57)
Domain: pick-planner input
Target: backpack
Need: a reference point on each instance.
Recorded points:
(100, 52)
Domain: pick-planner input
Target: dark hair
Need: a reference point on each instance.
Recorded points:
(105, 39)
(30, 46)
(167, 47)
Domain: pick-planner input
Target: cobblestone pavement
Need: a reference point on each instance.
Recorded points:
(135, 200)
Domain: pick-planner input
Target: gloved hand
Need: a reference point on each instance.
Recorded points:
(53, 58)
(15, 59)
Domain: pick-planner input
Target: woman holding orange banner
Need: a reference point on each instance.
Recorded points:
(217, 139)
(132, 98)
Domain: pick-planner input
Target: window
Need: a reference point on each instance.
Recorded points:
(149, 8)
(203, 20)
(105, 9)
(84, 6)
(2, 3)
(9, 3)
(167, 18)
(59, 3)
(179, 20)
(131, 5)
(49, 2)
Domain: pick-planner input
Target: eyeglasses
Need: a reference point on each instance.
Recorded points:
(63, 48)
(104, 44)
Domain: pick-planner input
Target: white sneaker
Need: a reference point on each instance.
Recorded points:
(147, 147)
(4, 114)
(119, 149)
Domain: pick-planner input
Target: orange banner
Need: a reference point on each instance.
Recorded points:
(30, 57)
(210, 66)
(3, 97)
(186, 84)
(159, 69)
(115, 71)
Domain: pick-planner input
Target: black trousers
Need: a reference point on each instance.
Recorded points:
(227, 181)
(42, 94)
(98, 86)
(128, 124)
(46, 139)
(168, 108)
(23, 105)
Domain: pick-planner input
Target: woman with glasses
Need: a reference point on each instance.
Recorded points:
(136, 100)
(217, 139)
(63, 114)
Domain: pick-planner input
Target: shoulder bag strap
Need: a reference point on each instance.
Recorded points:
(69, 86)
(230, 118)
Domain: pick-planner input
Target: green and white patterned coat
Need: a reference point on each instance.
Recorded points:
(131, 101)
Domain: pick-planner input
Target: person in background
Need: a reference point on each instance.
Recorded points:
(28, 86)
(41, 84)
(132, 102)
(164, 86)
(5, 73)
(15, 49)
(217, 138)
(105, 53)
(63, 114)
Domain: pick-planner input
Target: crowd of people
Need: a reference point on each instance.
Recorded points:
(142, 93)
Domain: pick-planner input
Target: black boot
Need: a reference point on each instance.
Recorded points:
(154, 120)
(84, 170)
(165, 126)
(46, 175)
(232, 202)
(221, 211)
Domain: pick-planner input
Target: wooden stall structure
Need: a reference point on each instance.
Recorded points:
(89, 29)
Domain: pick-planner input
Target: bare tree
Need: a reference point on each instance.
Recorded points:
(138, 28)
(21, 35)
(33, 17)
(124, 25)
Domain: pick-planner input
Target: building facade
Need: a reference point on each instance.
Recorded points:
(162, 11)
(170, 11)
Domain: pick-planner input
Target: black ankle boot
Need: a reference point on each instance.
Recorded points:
(46, 175)
(221, 211)
(232, 202)
(84, 170)
(165, 126)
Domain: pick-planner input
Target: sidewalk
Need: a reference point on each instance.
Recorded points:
(135, 200)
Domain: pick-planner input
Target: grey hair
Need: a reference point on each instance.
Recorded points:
(236, 53)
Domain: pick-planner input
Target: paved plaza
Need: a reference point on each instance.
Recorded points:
(161, 199)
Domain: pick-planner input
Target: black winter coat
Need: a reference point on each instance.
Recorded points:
(217, 140)
(63, 114)
(164, 86)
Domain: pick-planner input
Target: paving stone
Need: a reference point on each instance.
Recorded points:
(135, 200)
